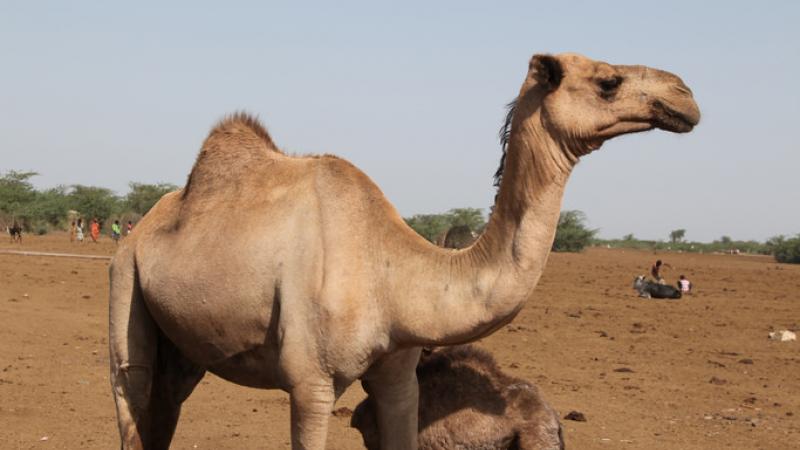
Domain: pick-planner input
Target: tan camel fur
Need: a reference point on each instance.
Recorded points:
(467, 402)
(319, 282)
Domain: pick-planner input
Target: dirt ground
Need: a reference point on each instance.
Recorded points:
(698, 373)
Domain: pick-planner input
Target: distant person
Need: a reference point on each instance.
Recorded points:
(95, 230)
(79, 230)
(115, 231)
(684, 285)
(73, 231)
(128, 228)
(655, 271)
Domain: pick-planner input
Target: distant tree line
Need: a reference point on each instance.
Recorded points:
(433, 226)
(40, 211)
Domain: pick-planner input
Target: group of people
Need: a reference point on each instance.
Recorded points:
(76, 230)
(684, 285)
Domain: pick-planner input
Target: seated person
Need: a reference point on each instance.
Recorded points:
(684, 285)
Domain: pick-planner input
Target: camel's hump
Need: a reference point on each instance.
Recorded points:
(234, 144)
(242, 123)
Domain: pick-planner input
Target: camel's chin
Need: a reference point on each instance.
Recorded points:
(676, 126)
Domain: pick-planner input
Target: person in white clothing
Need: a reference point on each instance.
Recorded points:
(684, 285)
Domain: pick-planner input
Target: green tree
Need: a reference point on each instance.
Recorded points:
(676, 236)
(469, 217)
(143, 196)
(629, 237)
(785, 250)
(92, 201)
(432, 226)
(429, 226)
(49, 206)
(16, 192)
(572, 235)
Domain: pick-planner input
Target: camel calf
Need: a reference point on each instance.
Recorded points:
(467, 402)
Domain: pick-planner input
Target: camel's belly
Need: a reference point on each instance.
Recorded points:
(207, 325)
(258, 368)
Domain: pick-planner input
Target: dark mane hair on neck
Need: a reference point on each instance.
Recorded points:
(505, 135)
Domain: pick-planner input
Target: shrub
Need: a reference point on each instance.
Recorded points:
(785, 250)
(572, 235)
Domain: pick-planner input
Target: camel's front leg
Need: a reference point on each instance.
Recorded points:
(392, 382)
(312, 403)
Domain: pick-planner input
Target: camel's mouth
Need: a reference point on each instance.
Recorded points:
(669, 119)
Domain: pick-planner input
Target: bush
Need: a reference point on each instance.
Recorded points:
(433, 226)
(572, 235)
(785, 250)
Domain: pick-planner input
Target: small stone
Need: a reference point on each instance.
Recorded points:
(782, 335)
(44, 438)
(745, 361)
(577, 416)
(624, 370)
(717, 381)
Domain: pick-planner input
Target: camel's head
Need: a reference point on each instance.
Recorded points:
(588, 102)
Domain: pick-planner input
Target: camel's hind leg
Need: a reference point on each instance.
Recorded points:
(149, 377)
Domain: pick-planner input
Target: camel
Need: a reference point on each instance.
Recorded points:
(467, 402)
(324, 283)
(459, 236)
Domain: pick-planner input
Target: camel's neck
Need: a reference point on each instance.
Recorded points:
(485, 285)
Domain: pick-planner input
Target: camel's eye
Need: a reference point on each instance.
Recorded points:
(609, 85)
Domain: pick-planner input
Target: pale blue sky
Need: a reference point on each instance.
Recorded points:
(103, 94)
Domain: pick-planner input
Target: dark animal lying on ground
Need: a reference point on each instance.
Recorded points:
(650, 289)
(466, 402)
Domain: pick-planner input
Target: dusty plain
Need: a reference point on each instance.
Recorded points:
(697, 373)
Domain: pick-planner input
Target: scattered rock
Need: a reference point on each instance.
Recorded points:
(601, 333)
(717, 381)
(513, 366)
(750, 400)
(782, 335)
(624, 370)
(715, 363)
(342, 412)
(745, 361)
(87, 296)
(44, 438)
(577, 416)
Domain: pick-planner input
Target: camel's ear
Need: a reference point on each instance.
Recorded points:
(546, 70)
